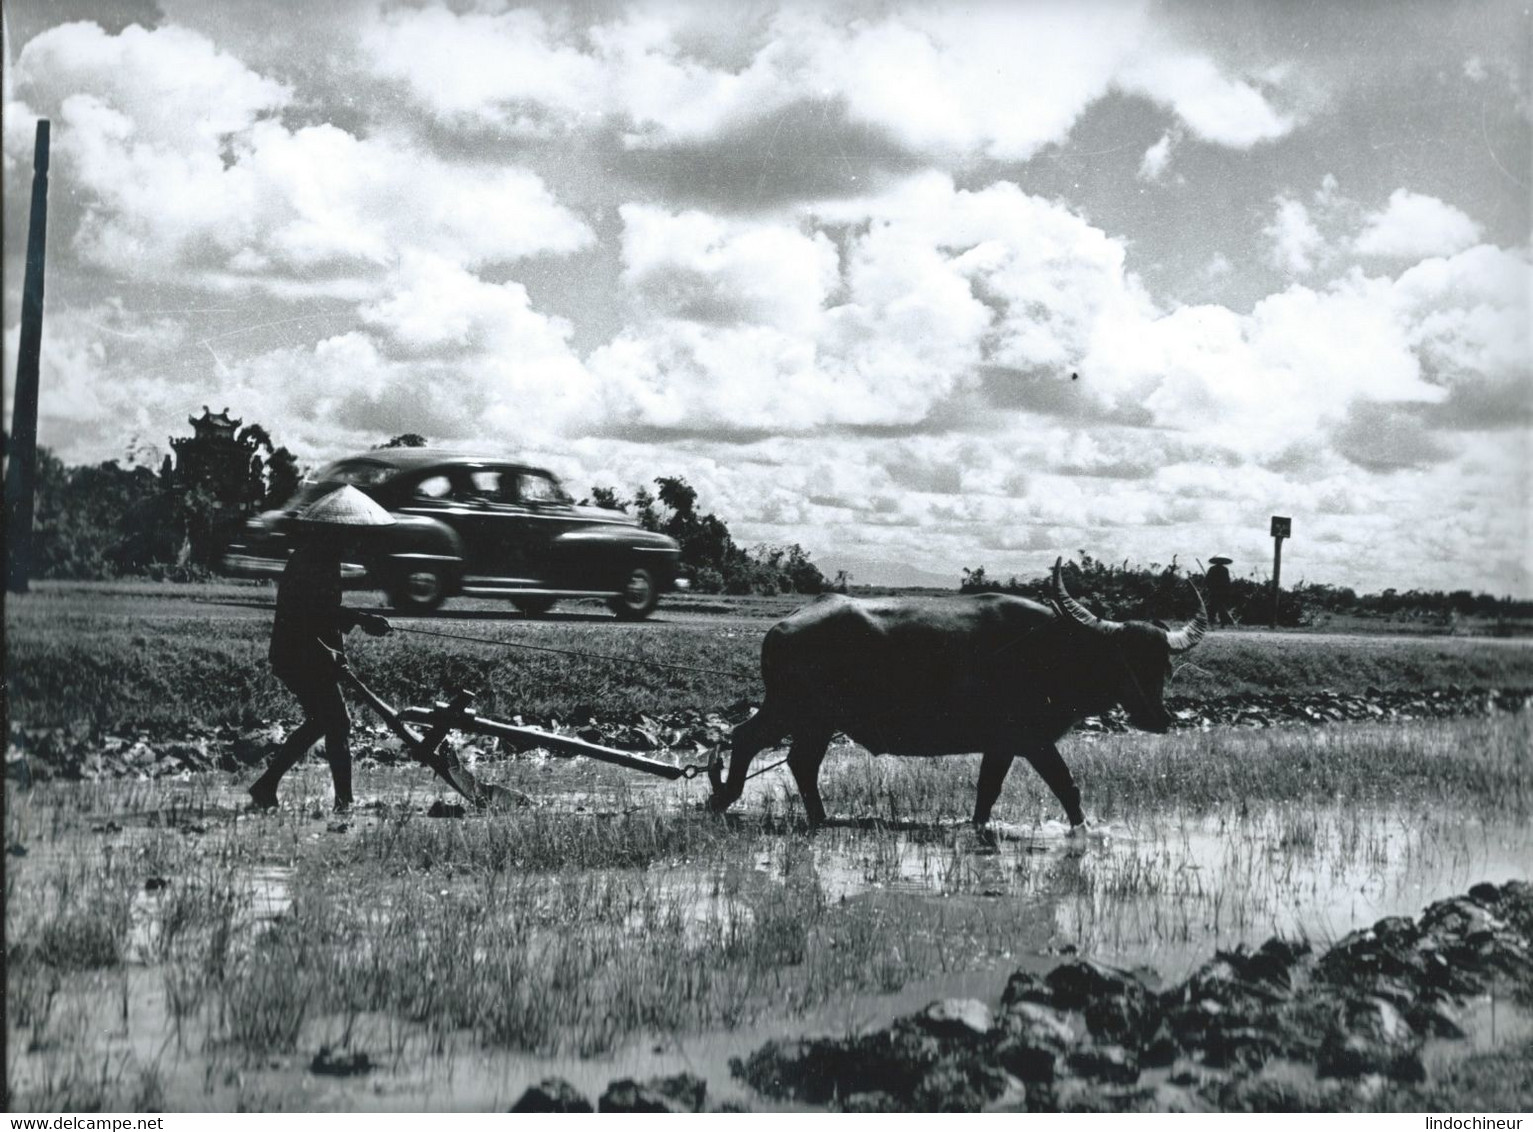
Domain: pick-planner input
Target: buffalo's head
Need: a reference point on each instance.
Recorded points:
(1137, 654)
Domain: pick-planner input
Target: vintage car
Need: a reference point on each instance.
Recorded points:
(479, 526)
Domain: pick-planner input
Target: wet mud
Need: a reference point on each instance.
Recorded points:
(1278, 1027)
(40, 754)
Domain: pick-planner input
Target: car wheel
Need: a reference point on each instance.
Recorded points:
(638, 597)
(419, 587)
(533, 606)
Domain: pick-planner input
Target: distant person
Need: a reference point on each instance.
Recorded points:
(1220, 597)
(307, 636)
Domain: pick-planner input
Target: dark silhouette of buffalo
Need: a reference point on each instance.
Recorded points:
(992, 673)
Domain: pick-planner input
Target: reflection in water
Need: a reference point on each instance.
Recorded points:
(1164, 889)
(1168, 889)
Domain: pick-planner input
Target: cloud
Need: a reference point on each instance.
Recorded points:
(200, 175)
(520, 70)
(706, 269)
(1467, 319)
(940, 81)
(1296, 242)
(1415, 226)
(1156, 158)
(1215, 107)
(1387, 438)
(873, 312)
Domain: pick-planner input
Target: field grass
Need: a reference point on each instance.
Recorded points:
(164, 949)
(1476, 763)
(173, 656)
(146, 917)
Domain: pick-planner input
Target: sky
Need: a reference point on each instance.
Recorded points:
(918, 286)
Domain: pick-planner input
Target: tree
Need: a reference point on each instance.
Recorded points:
(405, 440)
(282, 479)
(606, 497)
(709, 552)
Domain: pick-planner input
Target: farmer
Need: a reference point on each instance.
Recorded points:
(1218, 579)
(307, 635)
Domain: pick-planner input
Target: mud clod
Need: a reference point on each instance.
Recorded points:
(681, 1093)
(1274, 1029)
(552, 1094)
(341, 1062)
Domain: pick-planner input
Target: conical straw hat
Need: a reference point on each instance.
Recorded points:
(345, 507)
(1220, 560)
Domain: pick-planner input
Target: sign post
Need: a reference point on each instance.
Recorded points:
(1282, 527)
(21, 469)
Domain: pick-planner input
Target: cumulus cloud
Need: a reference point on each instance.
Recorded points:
(760, 324)
(1001, 81)
(203, 175)
(1414, 226)
(1156, 158)
(1214, 106)
(1296, 242)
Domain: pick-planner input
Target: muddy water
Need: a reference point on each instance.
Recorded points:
(1163, 891)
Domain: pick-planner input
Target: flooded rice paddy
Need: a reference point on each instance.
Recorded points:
(168, 949)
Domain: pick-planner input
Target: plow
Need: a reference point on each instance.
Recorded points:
(427, 747)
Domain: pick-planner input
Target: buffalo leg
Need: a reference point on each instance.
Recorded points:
(760, 731)
(992, 776)
(804, 759)
(1046, 762)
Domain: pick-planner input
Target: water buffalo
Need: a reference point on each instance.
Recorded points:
(990, 673)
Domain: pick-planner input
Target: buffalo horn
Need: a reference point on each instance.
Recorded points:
(1075, 609)
(1185, 638)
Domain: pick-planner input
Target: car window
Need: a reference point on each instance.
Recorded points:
(535, 488)
(433, 487)
(486, 484)
(358, 473)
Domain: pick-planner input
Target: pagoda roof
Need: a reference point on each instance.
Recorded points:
(215, 420)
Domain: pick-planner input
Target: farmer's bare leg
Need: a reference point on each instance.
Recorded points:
(992, 776)
(264, 790)
(1052, 768)
(804, 759)
(330, 709)
(760, 731)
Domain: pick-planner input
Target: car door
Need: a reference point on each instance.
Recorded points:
(489, 519)
(544, 513)
(471, 501)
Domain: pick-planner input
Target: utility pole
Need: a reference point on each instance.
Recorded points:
(1282, 527)
(21, 474)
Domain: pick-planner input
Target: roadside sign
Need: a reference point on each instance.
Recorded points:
(1282, 526)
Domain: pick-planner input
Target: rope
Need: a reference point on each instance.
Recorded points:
(735, 673)
(764, 769)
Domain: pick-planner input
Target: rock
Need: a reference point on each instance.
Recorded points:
(1122, 1019)
(1082, 981)
(1485, 894)
(1024, 986)
(1042, 1025)
(341, 1062)
(1025, 1060)
(955, 1018)
(552, 1094)
(1105, 1063)
(1174, 1098)
(820, 1070)
(1369, 1037)
(681, 1093)
(967, 1085)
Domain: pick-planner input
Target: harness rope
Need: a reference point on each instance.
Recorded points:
(692, 767)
